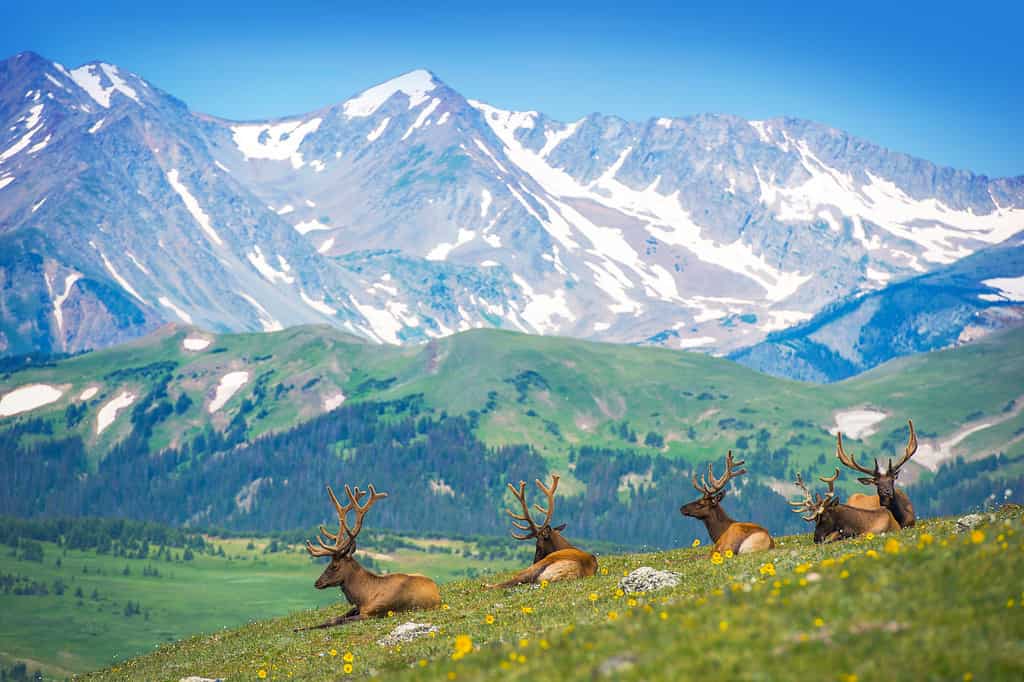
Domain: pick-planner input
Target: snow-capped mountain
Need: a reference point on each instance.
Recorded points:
(407, 212)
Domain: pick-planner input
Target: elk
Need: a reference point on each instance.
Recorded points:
(727, 534)
(884, 480)
(555, 558)
(834, 521)
(370, 594)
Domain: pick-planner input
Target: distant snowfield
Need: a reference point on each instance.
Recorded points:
(88, 393)
(228, 386)
(108, 413)
(415, 84)
(858, 423)
(195, 343)
(26, 398)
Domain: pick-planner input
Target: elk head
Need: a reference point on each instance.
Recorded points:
(819, 510)
(342, 547)
(712, 489)
(548, 539)
(884, 479)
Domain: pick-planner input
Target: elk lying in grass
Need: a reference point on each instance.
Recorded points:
(369, 593)
(556, 558)
(834, 521)
(727, 534)
(884, 480)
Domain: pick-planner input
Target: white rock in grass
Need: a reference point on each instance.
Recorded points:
(406, 632)
(195, 678)
(647, 579)
(969, 522)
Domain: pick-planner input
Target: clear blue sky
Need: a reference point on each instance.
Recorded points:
(943, 83)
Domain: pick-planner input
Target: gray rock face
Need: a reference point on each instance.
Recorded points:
(406, 632)
(409, 212)
(647, 579)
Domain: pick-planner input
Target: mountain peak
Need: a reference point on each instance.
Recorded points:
(414, 84)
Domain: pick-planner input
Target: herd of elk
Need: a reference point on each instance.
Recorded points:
(727, 534)
(556, 558)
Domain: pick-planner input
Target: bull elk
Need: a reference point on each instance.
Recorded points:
(555, 557)
(884, 480)
(835, 521)
(370, 594)
(726, 533)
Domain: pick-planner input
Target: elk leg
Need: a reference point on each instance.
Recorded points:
(352, 615)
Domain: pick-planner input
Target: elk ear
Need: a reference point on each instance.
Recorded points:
(559, 528)
(866, 481)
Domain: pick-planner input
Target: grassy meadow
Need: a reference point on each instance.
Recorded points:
(925, 603)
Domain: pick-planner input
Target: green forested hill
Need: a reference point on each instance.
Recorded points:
(443, 426)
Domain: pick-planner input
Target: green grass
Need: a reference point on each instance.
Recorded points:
(66, 634)
(921, 604)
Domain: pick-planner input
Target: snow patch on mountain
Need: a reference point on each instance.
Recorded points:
(1010, 289)
(441, 251)
(182, 315)
(228, 386)
(195, 343)
(307, 226)
(267, 321)
(26, 398)
(319, 306)
(90, 78)
(116, 275)
(32, 126)
(427, 111)
(269, 272)
(276, 142)
(334, 402)
(58, 300)
(201, 218)
(108, 413)
(326, 245)
(6, 180)
(415, 85)
(88, 393)
(379, 130)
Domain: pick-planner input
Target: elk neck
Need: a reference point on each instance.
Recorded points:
(717, 522)
(359, 583)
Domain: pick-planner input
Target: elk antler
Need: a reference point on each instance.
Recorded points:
(716, 485)
(908, 453)
(532, 529)
(338, 545)
(813, 505)
(849, 461)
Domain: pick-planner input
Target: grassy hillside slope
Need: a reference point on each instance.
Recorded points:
(921, 604)
(101, 608)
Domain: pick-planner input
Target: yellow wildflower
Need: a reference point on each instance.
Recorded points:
(845, 574)
(802, 568)
(802, 582)
(452, 675)
(423, 663)
(593, 596)
(348, 657)
(695, 543)
(869, 536)
(925, 539)
(521, 659)
(968, 677)
(262, 674)
(543, 584)
(767, 569)
(527, 610)
(716, 558)
(728, 554)
(871, 553)
(489, 619)
(632, 602)
(619, 594)
(347, 668)
(463, 645)
(849, 678)
(544, 644)
(1009, 603)
(977, 537)
(333, 652)
(819, 622)
(391, 614)
(663, 615)
(828, 563)
(445, 607)
(612, 615)
(723, 625)
(892, 546)
(523, 643)
(604, 571)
